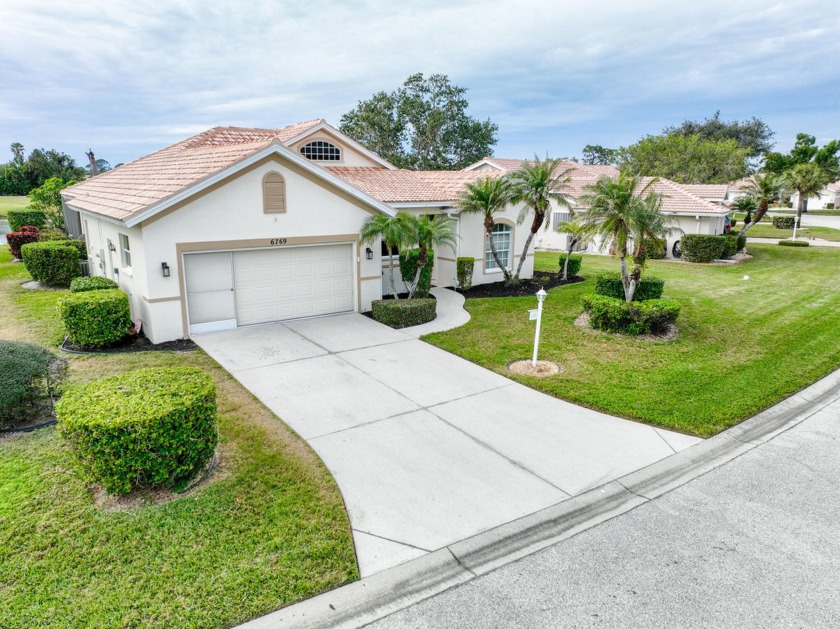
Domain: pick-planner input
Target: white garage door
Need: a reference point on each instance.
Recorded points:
(277, 284)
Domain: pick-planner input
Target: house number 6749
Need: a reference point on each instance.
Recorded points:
(278, 241)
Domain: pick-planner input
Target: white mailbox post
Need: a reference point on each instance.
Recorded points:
(537, 314)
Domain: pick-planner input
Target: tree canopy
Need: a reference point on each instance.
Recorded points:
(597, 154)
(422, 126)
(685, 158)
(753, 134)
(23, 174)
(805, 151)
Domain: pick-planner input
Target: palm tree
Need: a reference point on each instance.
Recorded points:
(393, 230)
(17, 152)
(622, 210)
(427, 233)
(487, 197)
(807, 179)
(536, 185)
(745, 204)
(763, 189)
(577, 233)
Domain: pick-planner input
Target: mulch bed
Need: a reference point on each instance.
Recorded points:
(524, 288)
(131, 343)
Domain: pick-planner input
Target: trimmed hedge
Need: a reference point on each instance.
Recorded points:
(52, 263)
(575, 262)
(794, 243)
(146, 428)
(19, 218)
(24, 378)
(402, 313)
(464, 268)
(57, 235)
(616, 315)
(16, 240)
(702, 248)
(784, 222)
(655, 248)
(95, 318)
(730, 245)
(609, 285)
(85, 284)
(408, 270)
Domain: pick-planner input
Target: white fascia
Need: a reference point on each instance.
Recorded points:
(412, 205)
(274, 148)
(325, 126)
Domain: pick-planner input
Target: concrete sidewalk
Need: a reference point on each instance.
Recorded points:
(427, 448)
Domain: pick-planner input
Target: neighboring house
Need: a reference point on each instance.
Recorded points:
(238, 226)
(828, 198)
(693, 209)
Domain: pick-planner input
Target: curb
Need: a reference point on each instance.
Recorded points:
(363, 602)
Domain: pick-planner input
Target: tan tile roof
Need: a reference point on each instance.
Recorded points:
(129, 189)
(677, 200)
(706, 190)
(406, 186)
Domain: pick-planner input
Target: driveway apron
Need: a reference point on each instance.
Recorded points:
(427, 448)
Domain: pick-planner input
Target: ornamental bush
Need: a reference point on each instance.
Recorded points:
(616, 315)
(19, 218)
(147, 428)
(28, 372)
(84, 284)
(57, 235)
(95, 318)
(464, 268)
(16, 240)
(408, 271)
(609, 285)
(52, 263)
(702, 247)
(575, 262)
(794, 243)
(731, 247)
(402, 313)
(784, 222)
(655, 248)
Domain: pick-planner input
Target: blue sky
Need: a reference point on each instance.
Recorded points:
(128, 77)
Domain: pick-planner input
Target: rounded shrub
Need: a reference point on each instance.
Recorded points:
(95, 318)
(146, 428)
(575, 262)
(616, 315)
(609, 285)
(16, 240)
(27, 374)
(464, 268)
(84, 284)
(19, 218)
(52, 263)
(702, 247)
(655, 248)
(402, 313)
(794, 243)
(784, 222)
(731, 247)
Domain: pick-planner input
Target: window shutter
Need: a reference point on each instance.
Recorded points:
(274, 194)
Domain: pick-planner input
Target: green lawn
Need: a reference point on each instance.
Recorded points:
(742, 345)
(12, 203)
(766, 230)
(267, 529)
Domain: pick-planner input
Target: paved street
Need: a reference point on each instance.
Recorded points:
(753, 543)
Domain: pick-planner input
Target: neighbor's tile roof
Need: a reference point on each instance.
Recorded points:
(131, 188)
(406, 186)
(706, 190)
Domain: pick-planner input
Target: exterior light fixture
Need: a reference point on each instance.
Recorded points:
(369, 253)
(111, 246)
(164, 267)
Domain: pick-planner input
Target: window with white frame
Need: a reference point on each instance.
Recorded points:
(559, 217)
(321, 151)
(501, 239)
(125, 251)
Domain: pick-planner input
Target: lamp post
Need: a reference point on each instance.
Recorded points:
(795, 225)
(541, 295)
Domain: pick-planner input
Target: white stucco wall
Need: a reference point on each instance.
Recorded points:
(818, 202)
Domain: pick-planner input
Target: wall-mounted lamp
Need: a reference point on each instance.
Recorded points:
(164, 267)
(369, 253)
(111, 246)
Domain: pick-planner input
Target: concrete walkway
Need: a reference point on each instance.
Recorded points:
(450, 314)
(427, 448)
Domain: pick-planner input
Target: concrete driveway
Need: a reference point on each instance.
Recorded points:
(427, 448)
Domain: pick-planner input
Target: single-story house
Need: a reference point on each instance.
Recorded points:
(239, 226)
(693, 209)
(828, 198)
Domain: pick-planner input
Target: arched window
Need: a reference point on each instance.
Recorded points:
(321, 151)
(501, 238)
(274, 193)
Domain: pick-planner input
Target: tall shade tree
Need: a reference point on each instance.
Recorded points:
(537, 184)
(577, 232)
(623, 210)
(762, 190)
(428, 233)
(394, 231)
(808, 180)
(488, 197)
